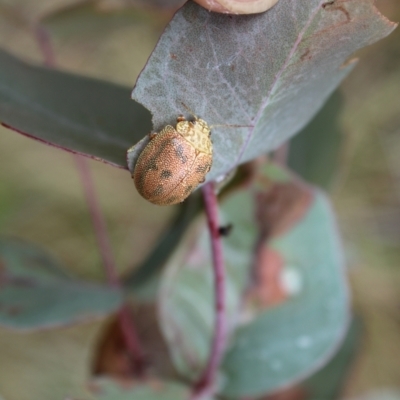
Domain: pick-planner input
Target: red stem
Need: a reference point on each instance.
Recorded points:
(124, 317)
(132, 340)
(44, 43)
(206, 383)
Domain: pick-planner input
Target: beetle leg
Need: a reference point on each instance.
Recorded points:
(181, 118)
(152, 135)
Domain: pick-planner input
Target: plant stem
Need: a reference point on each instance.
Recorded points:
(124, 317)
(45, 46)
(205, 385)
(127, 326)
(132, 341)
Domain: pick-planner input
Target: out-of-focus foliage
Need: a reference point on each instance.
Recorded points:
(44, 204)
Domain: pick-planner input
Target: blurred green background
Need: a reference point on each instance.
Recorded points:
(41, 196)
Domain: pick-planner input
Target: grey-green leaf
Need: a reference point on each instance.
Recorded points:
(36, 293)
(78, 114)
(274, 346)
(271, 71)
(315, 152)
(143, 282)
(186, 299)
(289, 341)
(328, 383)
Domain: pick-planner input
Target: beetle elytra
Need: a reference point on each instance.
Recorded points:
(174, 162)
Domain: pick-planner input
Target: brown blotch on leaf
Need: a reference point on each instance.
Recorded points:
(279, 207)
(328, 3)
(267, 290)
(111, 357)
(335, 6)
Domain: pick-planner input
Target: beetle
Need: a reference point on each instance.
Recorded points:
(174, 162)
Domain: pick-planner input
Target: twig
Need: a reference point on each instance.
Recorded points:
(132, 340)
(206, 383)
(45, 46)
(127, 326)
(99, 224)
(124, 317)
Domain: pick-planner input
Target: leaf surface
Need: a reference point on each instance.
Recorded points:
(186, 292)
(143, 282)
(276, 339)
(315, 152)
(271, 71)
(79, 114)
(328, 383)
(291, 340)
(36, 293)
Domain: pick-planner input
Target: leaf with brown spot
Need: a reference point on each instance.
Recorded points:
(267, 289)
(270, 347)
(280, 205)
(111, 357)
(272, 71)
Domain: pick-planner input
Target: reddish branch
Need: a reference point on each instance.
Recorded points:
(44, 43)
(99, 224)
(206, 383)
(124, 317)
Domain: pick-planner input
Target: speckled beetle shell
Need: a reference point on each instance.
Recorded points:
(174, 162)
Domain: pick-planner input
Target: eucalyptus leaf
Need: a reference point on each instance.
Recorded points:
(329, 382)
(313, 274)
(271, 71)
(83, 115)
(36, 293)
(143, 282)
(186, 297)
(315, 152)
(290, 341)
(270, 346)
(153, 390)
